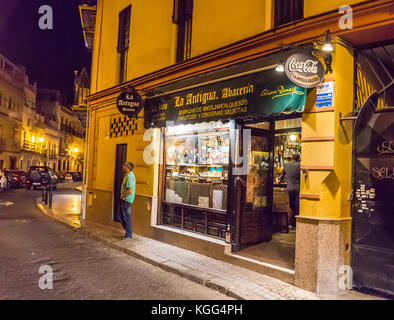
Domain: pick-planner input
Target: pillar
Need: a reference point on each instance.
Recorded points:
(323, 227)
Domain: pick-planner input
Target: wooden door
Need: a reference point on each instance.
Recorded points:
(121, 158)
(253, 189)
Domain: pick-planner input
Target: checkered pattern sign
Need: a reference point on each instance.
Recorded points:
(122, 126)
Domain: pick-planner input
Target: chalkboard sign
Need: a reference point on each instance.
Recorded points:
(130, 103)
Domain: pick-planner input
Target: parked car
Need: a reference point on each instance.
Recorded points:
(4, 185)
(60, 177)
(68, 177)
(12, 180)
(39, 176)
(17, 178)
(77, 176)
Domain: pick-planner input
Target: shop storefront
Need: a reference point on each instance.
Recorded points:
(224, 145)
(211, 142)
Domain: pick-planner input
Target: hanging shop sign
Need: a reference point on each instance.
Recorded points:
(130, 103)
(258, 94)
(304, 70)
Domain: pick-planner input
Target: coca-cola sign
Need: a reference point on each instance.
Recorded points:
(304, 70)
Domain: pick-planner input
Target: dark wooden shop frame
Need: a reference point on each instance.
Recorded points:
(232, 216)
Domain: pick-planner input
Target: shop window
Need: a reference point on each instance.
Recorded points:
(123, 42)
(287, 11)
(182, 17)
(286, 145)
(258, 173)
(196, 168)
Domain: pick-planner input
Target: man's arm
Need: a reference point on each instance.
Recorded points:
(126, 193)
(282, 176)
(129, 189)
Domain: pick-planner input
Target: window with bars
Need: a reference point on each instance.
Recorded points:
(123, 41)
(182, 17)
(287, 11)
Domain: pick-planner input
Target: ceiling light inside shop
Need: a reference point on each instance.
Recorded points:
(293, 137)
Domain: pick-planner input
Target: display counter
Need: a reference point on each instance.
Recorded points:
(196, 180)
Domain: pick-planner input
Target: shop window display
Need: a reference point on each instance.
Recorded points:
(197, 167)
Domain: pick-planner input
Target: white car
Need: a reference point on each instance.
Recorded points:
(3, 182)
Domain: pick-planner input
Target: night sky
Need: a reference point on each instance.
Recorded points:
(50, 56)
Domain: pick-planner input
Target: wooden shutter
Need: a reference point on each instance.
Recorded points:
(287, 11)
(182, 11)
(124, 29)
(182, 16)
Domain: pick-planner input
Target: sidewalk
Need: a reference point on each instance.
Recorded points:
(231, 280)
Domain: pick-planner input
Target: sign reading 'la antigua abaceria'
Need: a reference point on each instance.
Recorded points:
(130, 103)
(304, 70)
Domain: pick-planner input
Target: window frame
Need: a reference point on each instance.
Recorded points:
(124, 24)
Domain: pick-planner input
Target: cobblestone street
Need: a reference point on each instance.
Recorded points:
(83, 268)
(221, 276)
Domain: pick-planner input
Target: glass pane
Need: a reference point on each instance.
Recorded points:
(197, 168)
(257, 178)
(286, 145)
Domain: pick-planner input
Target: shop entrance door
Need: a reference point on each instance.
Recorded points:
(253, 188)
(373, 207)
(121, 158)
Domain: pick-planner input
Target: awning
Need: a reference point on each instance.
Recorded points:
(260, 92)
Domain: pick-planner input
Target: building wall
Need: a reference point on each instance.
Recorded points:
(215, 24)
(148, 21)
(323, 231)
(312, 7)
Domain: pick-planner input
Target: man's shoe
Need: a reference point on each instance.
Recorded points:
(126, 238)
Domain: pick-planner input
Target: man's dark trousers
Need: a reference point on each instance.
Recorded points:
(124, 215)
(294, 197)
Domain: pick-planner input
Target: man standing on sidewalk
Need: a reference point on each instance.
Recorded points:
(127, 195)
(292, 171)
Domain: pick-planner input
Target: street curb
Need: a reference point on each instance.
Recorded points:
(195, 276)
(48, 213)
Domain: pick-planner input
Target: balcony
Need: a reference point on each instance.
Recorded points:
(3, 144)
(33, 147)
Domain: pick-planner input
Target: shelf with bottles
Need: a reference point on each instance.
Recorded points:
(206, 173)
(207, 148)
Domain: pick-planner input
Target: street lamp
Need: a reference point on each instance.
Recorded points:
(41, 140)
(76, 150)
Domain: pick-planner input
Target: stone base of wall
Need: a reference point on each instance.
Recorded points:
(322, 247)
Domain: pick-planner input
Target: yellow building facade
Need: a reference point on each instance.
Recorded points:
(226, 40)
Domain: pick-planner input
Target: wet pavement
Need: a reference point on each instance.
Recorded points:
(82, 267)
(219, 275)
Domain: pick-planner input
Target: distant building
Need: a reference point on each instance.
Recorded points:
(81, 92)
(70, 132)
(15, 94)
(35, 126)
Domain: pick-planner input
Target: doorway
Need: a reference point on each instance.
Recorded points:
(263, 219)
(12, 163)
(121, 158)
